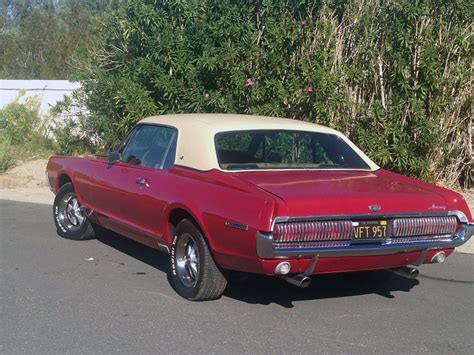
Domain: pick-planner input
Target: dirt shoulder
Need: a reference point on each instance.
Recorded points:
(27, 183)
(28, 175)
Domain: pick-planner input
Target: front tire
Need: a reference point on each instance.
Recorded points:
(194, 274)
(69, 216)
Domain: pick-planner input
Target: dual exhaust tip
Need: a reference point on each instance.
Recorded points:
(304, 281)
(300, 280)
(412, 273)
(408, 272)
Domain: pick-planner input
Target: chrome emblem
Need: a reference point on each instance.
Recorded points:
(236, 225)
(374, 208)
(437, 207)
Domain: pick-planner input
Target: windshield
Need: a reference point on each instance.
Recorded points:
(281, 149)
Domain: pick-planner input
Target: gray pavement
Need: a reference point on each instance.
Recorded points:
(112, 296)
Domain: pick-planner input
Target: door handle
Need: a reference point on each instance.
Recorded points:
(142, 182)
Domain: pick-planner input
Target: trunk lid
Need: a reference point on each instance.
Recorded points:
(324, 192)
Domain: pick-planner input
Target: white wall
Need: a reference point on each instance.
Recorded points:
(48, 91)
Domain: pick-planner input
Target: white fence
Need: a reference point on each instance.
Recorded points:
(49, 92)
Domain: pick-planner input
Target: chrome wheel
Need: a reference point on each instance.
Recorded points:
(187, 260)
(71, 215)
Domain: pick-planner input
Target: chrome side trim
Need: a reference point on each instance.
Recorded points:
(266, 249)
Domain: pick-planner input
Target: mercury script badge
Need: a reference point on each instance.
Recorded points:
(437, 207)
(374, 208)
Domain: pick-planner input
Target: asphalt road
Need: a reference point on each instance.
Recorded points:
(55, 299)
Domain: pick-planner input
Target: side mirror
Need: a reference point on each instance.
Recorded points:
(113, 157)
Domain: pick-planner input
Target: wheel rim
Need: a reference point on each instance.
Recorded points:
(71, 215)
(187, 260)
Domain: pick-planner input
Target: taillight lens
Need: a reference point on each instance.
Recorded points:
(312, 231)
(406, 227)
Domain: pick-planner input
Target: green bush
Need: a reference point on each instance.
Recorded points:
(23, 133)
(71, 134)
(7, 159)
(70, 138)
(394, 75)
(21, 121)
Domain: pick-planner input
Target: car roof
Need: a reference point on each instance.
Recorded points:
(196, 133)
(218, 122)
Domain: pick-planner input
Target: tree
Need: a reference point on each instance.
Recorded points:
(393, 75)
(39, 37)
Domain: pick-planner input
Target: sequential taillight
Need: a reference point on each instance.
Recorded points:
(418, 226)
(317, 231)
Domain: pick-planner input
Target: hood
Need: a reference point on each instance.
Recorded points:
(312, 193)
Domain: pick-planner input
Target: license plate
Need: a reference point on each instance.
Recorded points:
(369, 230)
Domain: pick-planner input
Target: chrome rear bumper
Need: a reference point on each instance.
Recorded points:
(266, 248)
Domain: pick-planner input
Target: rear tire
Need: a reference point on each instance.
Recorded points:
(69, 216)
(194, 274)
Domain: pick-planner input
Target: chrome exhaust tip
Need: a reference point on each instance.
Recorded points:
(301, 280)
(408, 272)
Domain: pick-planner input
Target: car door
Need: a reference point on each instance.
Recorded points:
(131, 191)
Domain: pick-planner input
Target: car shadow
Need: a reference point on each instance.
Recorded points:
(257, 289)
(145, 254)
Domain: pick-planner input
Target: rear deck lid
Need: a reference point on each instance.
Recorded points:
(334, 192)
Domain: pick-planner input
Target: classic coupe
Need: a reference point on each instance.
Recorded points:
(263, 195)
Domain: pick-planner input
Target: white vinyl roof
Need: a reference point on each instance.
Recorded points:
(196, 132)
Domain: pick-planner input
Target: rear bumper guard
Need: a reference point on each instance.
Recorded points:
(266, 248)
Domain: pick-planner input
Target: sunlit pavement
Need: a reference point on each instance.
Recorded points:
(112, 296)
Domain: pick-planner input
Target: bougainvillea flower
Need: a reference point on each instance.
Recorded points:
(309, 89)
(249, 83)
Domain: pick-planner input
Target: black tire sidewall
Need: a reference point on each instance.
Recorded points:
(84, 232)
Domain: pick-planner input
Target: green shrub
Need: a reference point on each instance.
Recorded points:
(21, 121)
(70, 138)
(23, 133)
(70, 131)
(394, 76)
(7, 159)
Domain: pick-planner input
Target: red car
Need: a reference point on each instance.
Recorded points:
(253, 194)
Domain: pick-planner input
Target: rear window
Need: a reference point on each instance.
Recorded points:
(281, 149)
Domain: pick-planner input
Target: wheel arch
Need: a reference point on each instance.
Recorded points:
(63, 179)
(177, 213)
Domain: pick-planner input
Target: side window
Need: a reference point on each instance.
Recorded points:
(150, 146)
